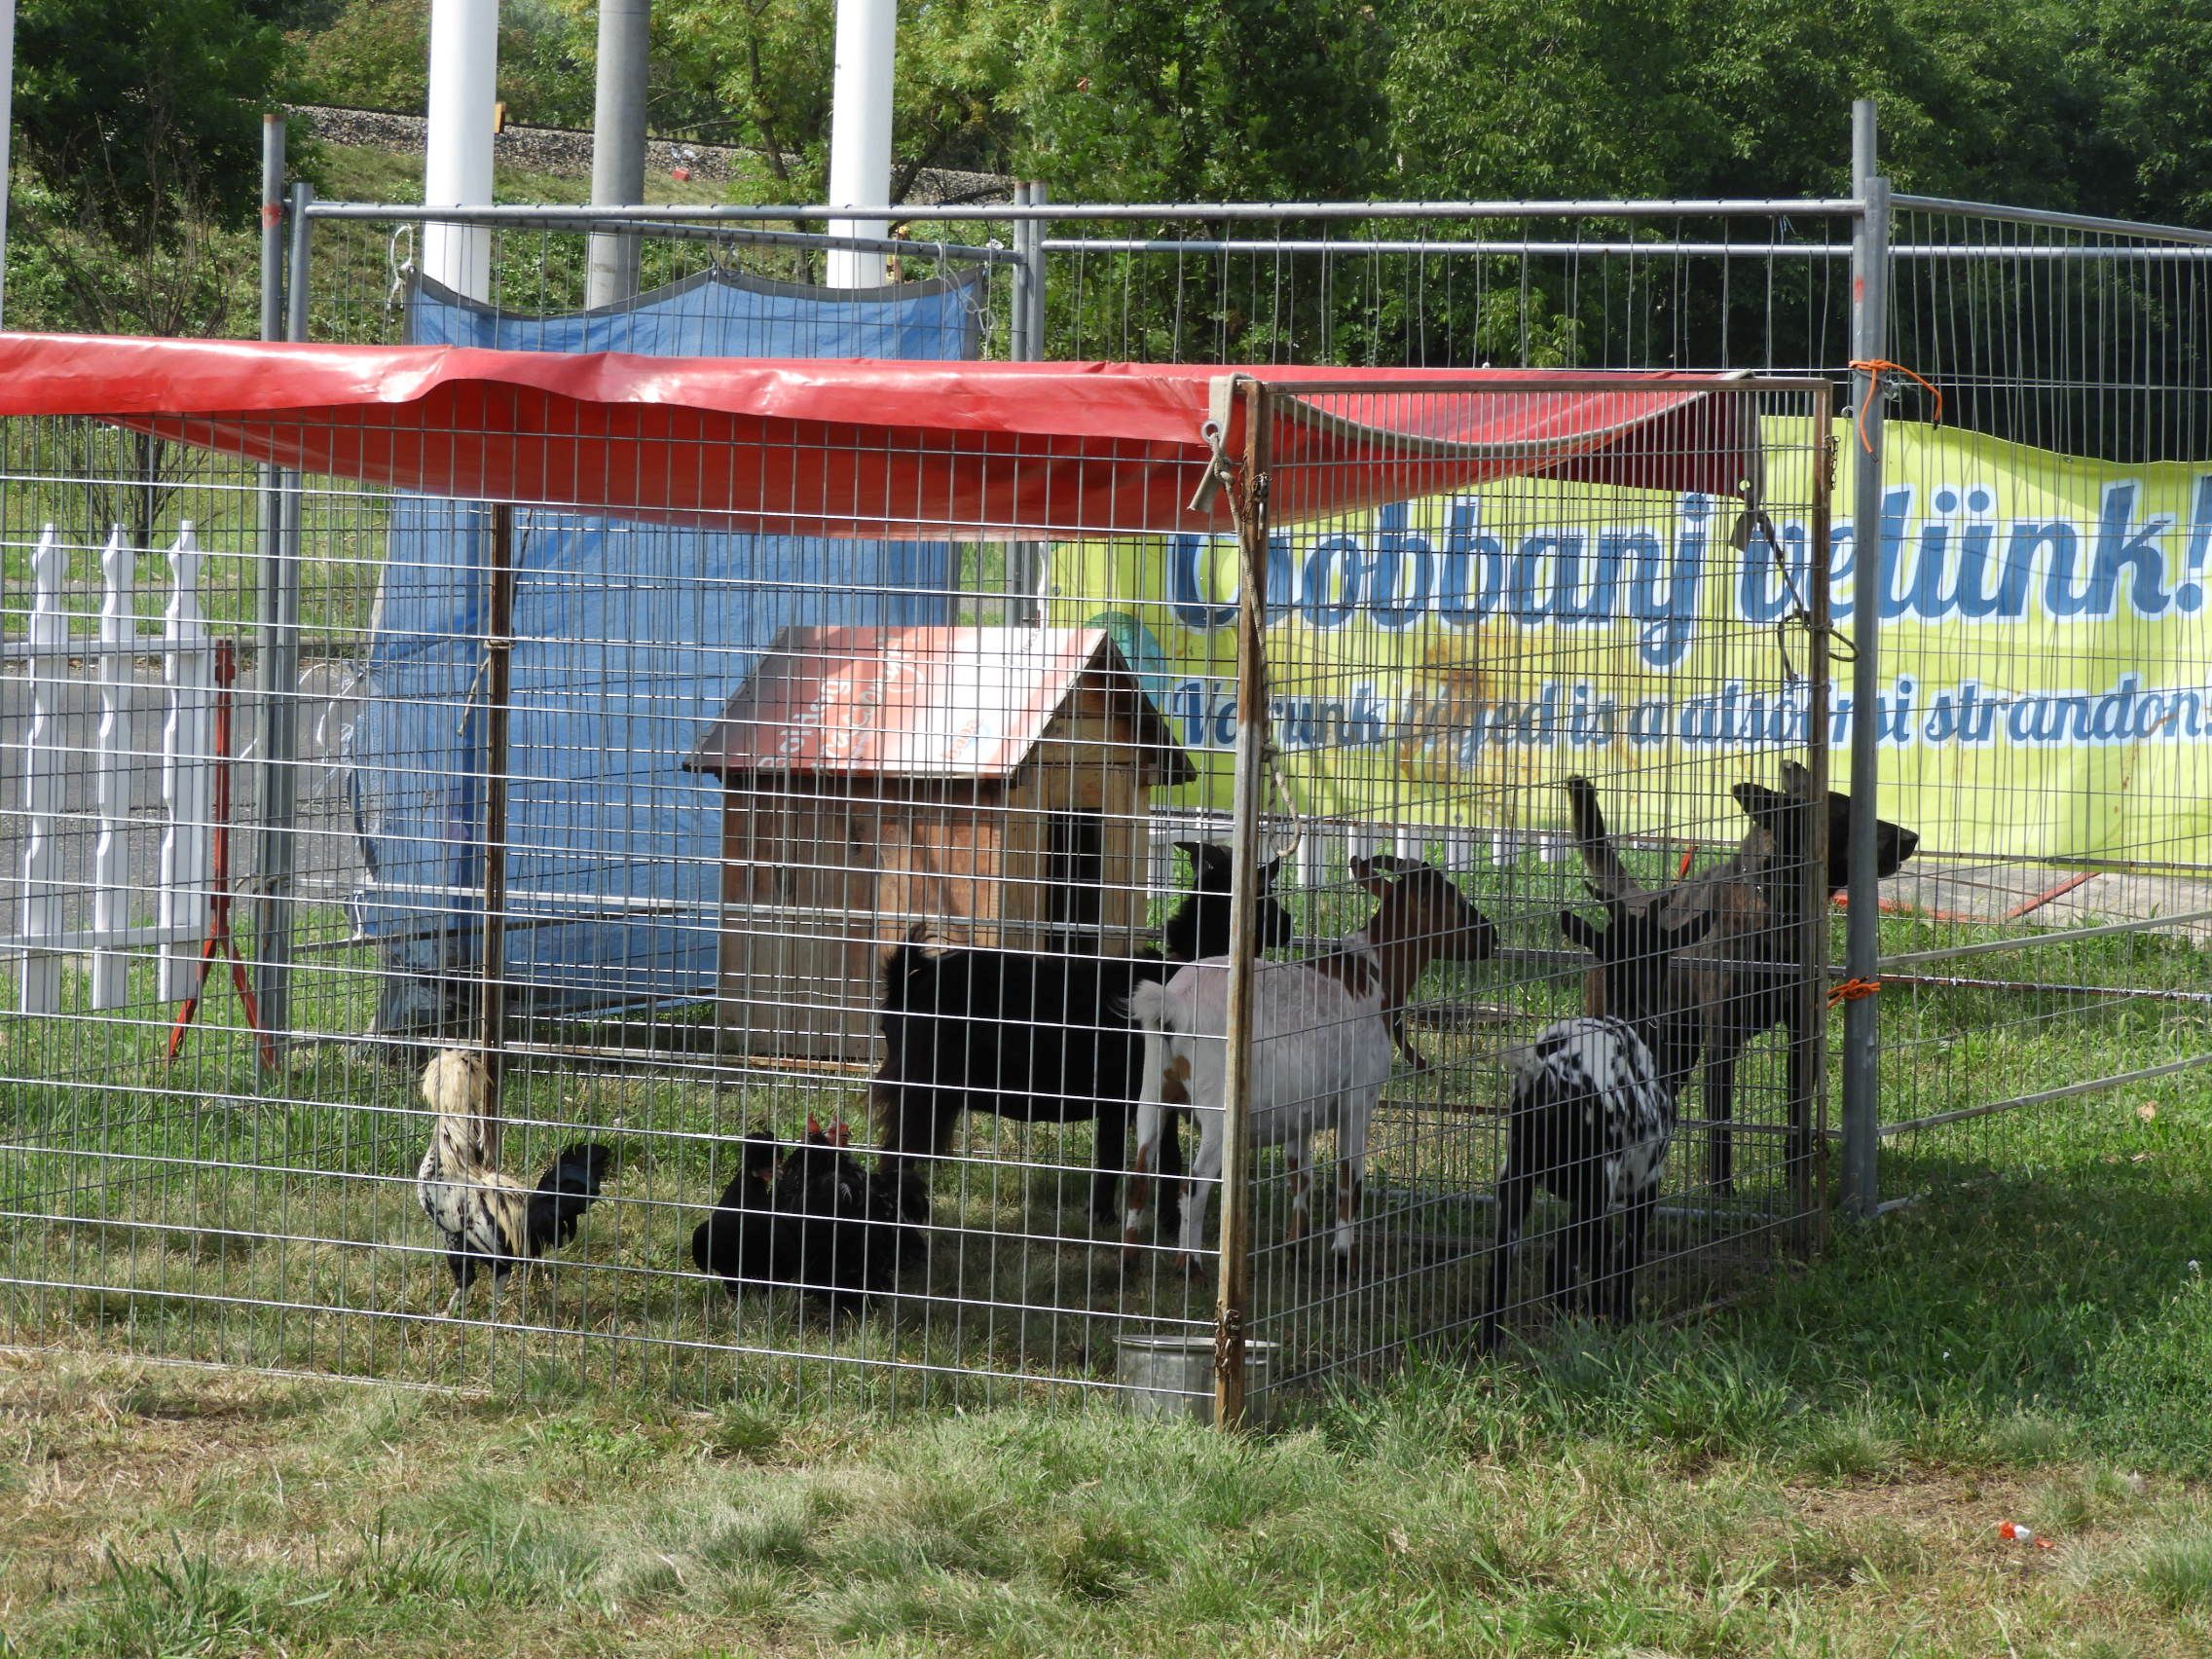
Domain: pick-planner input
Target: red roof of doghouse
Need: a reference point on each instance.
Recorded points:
(873, 448)
(957, 703)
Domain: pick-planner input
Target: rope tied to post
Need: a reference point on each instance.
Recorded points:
(1757, 521)
(1853, 991)
(1874, 368)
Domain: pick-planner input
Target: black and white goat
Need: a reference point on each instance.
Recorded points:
(1034, 1036)
(486, 1219)
(815, 1218)
(1322, 1044)
(1591, 1108)
(1746, 976)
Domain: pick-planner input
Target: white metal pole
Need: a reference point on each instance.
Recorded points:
(859, 134)
(619, 146)
(7, 129)
(457, 157)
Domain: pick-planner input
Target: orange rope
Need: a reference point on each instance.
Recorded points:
(1874, 368)
(1851, 990)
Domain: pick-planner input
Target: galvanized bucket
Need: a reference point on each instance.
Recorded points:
(1173, 1376)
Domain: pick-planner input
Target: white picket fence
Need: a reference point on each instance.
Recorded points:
(54, 659)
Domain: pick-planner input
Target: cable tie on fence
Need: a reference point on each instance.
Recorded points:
(1874, 368)
(1853, 991)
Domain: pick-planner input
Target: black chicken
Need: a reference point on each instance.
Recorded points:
(816, 1218)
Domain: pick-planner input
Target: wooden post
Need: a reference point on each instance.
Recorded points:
(499, 667)
(1233, 1307)
(1808, 1053)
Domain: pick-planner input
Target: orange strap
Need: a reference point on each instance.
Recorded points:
(1851, 990)
(1874, 368)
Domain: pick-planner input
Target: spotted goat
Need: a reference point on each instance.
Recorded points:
(1591, 1108)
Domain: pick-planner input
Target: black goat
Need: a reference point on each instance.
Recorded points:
(1591, 1110)
(1037, 1038)
(816, 1219)
(1746, 976)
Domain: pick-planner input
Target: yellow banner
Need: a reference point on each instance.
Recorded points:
(2044, 675)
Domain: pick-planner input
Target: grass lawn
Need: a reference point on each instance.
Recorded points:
(1819, 1468)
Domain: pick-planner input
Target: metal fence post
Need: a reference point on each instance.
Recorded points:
(1025, 344)
(276, 642)
(1869, 343)
(1017, 347)
(1233, 1307)
(1037, 196)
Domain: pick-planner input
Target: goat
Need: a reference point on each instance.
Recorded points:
(816, 1218)
(1591, 1108)
(1035, 1037)
(485, 1217)
(1468, 937)
(1321, 1046)
(1746, 976)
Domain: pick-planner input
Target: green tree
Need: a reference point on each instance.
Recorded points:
(136, 192)
(1163, 100)
(376, 55)
(2148, 63)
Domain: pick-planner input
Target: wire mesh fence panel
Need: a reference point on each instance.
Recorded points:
(705, 288)
(1754, 287)
(840, 793)
(2042, 664)
(650, 817)
(1533, 767)
(716, 962)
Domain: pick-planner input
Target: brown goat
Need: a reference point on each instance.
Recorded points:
(1745, 976)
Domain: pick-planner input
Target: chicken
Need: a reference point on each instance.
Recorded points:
(486, 1217)
(820, 1219)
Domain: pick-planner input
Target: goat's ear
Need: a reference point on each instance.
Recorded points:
(1761, 805)
(1268, 871)
(1206, 857)
(1377, 872)
(1581, 933)
(1688, 934)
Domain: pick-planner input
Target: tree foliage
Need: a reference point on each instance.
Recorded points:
(2090, 104)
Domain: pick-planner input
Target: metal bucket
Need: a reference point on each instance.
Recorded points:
(1173, 1376)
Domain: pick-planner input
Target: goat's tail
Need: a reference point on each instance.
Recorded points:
(1147, 1006)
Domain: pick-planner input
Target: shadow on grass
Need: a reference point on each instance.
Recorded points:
(2042, 1300)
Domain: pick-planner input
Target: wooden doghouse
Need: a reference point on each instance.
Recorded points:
(993, 785)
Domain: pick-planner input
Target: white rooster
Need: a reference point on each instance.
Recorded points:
(488, 1219)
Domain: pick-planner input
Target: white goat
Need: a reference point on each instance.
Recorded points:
(1322, 1046)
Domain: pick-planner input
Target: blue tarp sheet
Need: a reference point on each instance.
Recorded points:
(628, 639)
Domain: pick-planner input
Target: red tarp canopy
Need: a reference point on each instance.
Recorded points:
(873, 448)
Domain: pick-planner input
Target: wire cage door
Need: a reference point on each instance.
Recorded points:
(1595, 685)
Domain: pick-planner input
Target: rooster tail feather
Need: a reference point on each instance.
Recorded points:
(568, 1189)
